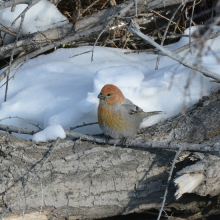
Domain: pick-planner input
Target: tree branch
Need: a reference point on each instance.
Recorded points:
(204, 147)
(134, 29)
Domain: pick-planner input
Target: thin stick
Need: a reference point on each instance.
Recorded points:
(136, 11)
(165, 33)
(12, 55)
(42, 198)
(170, 21)
(89, 51)
(173, 56)
(30, 4)
(23, 119)
(85, 10)
(93, 48)
(22, 15)
(168, 182)
(190, 24)
(140, 144)
(7, 30)
(196, 42)
(79, 126)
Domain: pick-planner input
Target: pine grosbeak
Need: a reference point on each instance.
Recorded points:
(118, 117)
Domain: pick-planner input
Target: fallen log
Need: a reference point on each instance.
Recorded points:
(83, 179)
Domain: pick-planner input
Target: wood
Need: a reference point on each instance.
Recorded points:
(196, 126)
(91, 180)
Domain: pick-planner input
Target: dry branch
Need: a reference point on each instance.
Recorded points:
(141, 144)
(168, 182)
(134, 29)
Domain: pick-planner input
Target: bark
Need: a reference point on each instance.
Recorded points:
(78, 179)
(201, 123)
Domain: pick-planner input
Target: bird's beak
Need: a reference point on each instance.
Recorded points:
(100, 96)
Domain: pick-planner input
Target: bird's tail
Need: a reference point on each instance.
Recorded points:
(149, 114)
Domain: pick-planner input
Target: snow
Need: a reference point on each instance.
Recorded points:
(42, 16)
(59, 90)
(49, 133)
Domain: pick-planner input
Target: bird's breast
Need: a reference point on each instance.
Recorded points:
(113, 118)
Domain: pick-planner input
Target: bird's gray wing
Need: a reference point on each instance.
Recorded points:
(131, 108)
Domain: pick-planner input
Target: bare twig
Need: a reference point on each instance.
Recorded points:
(171, 19)
(42, 198)
(89, 51)
(173, 56)
(79, 126)
(7, 30)
(85, 10)
(136, 10)
(191, 19)
(11, 128)
(185, 47)
(93, 48)
(22, 16)
(165, 33)
(196, 42)
(168, 182)
(23, 119)
(190, 24)
(16, 70)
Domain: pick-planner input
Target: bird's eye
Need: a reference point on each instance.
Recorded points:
(108, 94)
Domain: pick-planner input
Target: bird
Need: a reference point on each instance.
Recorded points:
(118, 117)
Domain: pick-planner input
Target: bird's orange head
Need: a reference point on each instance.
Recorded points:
(111, 95)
